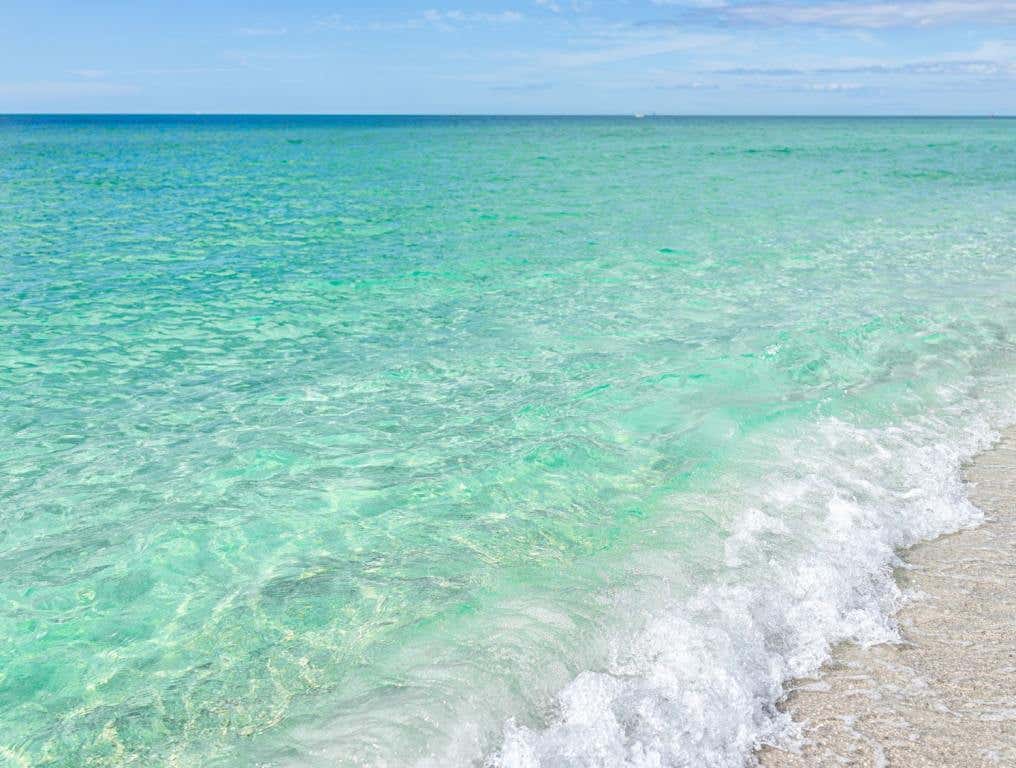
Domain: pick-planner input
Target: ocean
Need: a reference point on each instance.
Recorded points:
(455, 441)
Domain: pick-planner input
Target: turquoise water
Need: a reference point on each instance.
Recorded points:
(506, 442)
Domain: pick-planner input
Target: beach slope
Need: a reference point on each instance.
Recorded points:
(945, 695)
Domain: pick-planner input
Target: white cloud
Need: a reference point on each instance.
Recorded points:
(693, 3)
(834, 87)
(633, 50)
(185, 71)
(575, 6)
(845, 14)
(878, 15)
(89, 74)
(464, 17)
(335, 21)
(262, 31)
(48, 89)
(991, 59)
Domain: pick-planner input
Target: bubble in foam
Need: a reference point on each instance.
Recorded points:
(808, 564)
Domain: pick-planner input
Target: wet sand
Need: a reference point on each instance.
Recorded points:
(946, 695)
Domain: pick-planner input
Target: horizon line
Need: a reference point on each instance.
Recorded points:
(634, 115)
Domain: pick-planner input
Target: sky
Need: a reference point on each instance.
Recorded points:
(509, 56)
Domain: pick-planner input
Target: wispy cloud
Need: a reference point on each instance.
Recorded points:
(992, 58)
(979, 68)
(521, 87)
(693, 3)
(262, 31)
(589, 56)
(692, 85)
(89, 74)
(261, 59)
(467, 17)
(635, 49)
(431, 18)
(916, 13)
(334, 21)
(186, 71)
(842, 14)
(833, 87)
(50, 89)
(574, 6)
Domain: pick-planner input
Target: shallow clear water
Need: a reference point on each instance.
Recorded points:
(393, 441)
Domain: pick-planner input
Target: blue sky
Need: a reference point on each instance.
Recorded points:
(511, 56)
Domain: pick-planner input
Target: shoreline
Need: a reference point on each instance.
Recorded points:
(945, 695)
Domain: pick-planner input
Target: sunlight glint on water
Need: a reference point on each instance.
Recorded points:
(392, 441)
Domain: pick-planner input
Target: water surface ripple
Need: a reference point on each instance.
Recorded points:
(452, 441)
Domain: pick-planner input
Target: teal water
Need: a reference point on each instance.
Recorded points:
(505, 442)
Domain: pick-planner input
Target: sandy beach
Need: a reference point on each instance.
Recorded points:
(946, 694)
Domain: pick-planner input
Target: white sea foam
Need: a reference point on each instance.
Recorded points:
(808, 564)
